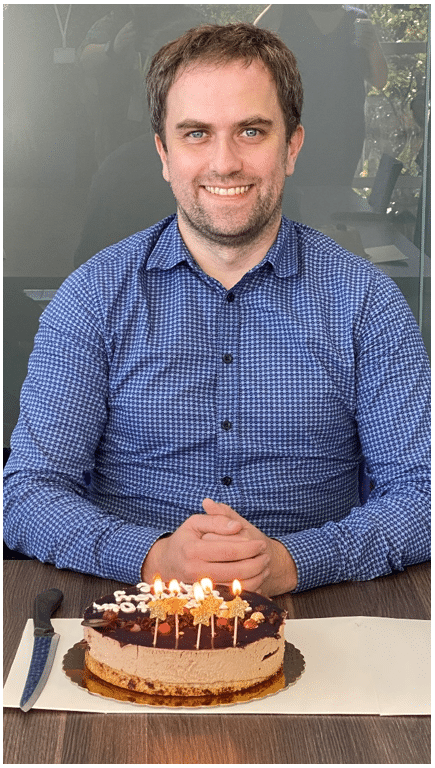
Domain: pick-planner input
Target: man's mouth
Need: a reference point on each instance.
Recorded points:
(228, 191)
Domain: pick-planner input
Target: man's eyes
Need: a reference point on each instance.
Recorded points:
(250, 133)
(196, 134)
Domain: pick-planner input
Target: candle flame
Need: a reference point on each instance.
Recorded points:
(207, 585)
(174, 586)
(198, 592)
(237, 587)
(158, 585)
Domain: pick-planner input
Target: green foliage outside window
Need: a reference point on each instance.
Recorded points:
(395, 115)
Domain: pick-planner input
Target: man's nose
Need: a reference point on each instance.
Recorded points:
(225, 158)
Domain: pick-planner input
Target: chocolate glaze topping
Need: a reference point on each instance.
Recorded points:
(137, 628)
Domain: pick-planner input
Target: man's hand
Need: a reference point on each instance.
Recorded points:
(282, 576)
(227, 554)
(223, 546)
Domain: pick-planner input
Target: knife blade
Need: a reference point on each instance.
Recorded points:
(45, 642)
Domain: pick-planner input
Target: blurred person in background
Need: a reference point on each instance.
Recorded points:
(114, 57)
(337, 53)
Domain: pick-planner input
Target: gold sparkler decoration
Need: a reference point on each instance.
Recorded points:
(158, 609)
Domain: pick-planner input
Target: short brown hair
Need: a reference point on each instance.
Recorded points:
(212, 43)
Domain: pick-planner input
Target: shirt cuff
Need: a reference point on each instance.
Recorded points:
(316, 558)
(128, 549)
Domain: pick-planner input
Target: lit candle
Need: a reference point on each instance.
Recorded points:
(236, 607)
(198, 615)
(207, 585)
(176, 605)
(157, 609)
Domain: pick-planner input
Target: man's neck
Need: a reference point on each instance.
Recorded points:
(227, 264)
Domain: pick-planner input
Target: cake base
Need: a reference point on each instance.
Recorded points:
(169, 672)
(76, 670)
(156, 688)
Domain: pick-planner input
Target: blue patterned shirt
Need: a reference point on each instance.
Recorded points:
(163, 387)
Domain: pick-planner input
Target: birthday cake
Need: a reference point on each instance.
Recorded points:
(184, 640)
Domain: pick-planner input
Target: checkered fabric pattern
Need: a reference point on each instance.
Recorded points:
(164, 387)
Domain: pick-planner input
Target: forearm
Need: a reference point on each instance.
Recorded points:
(382, 536)
(377, 74)
(47, 518)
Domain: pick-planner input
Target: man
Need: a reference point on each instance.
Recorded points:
(225, 359)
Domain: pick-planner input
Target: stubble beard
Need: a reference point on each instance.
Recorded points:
(261, 219)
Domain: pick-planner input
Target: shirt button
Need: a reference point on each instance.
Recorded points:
(230, 297)
(227, 480)
(226, 425)
(227, 357)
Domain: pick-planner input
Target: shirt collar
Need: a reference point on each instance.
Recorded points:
(283, 255)
(170, 250)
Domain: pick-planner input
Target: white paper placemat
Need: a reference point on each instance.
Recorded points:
(353, 665)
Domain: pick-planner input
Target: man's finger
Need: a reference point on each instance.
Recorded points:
(219, 524)
(219, 508)
(241, 536)
(226, 550)
(253, 584)
(245, 571)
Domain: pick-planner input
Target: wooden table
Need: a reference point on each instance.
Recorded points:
(58, 737)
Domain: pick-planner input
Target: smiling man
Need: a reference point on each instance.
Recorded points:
(226, 157)
(221, 375)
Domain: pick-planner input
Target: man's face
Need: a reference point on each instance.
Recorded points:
(227, 157)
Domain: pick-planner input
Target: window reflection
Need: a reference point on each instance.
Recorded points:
(81, 171)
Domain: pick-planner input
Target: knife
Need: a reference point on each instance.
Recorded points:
(44, 646)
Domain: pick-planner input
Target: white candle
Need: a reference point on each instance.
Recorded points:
(198, 594)
(237, 588)
(158, 590)
(207, 586)
(174, 589)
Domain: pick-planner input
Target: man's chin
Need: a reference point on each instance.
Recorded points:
(229, 238)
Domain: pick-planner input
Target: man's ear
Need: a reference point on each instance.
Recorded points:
(163, 156)
(294, 147)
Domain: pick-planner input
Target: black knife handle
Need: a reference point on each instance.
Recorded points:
(44, 607)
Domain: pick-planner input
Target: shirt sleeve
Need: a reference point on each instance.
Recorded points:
(63, 413)
(392, 529)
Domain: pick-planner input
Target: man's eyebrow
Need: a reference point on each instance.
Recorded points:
(256, 120)
(192, 125)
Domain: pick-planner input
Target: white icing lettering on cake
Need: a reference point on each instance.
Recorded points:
(127, 607)
(106, 607)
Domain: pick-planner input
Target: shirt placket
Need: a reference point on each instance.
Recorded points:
(226, 399)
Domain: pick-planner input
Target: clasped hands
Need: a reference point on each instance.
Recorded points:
(223, 546)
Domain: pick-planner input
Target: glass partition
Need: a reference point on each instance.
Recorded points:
(81, 171)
